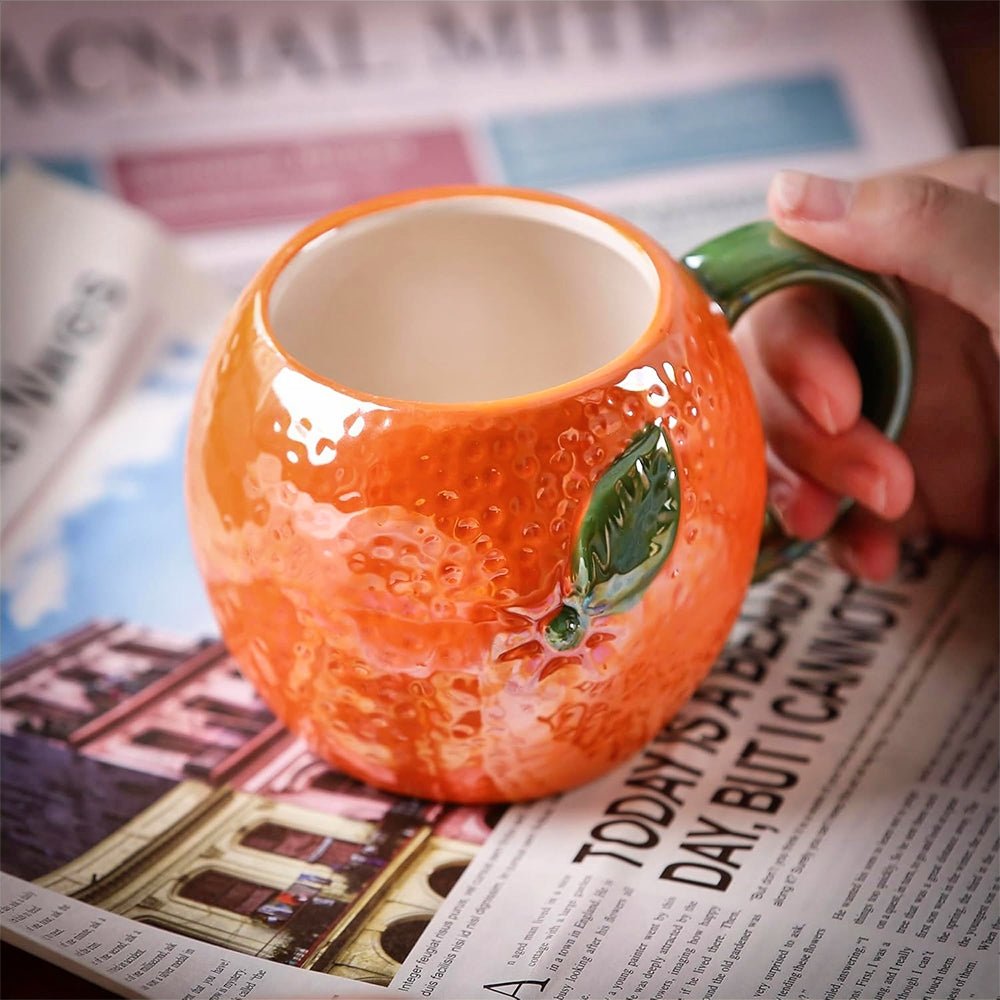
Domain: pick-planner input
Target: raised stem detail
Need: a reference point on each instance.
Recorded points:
(567, 629)
(625, 536)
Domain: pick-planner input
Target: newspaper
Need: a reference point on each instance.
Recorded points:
(820, 821)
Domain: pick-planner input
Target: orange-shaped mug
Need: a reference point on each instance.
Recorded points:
(476, 480)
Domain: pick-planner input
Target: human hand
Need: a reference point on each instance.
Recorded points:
(938, 230)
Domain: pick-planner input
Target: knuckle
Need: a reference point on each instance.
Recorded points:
(922, 200)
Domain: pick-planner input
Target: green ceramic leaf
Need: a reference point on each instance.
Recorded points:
(626, 536)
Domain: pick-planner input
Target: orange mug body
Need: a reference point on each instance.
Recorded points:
(386, 568)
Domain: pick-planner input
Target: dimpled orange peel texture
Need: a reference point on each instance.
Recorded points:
(384, 571)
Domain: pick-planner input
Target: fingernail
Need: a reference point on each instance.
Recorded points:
(810, 197)
(817, 404)
(779, 495)
(878, 500)
(869, 486)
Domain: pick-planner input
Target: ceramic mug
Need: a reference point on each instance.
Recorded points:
(476, 480)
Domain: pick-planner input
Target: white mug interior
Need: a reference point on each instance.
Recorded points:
(465, 298)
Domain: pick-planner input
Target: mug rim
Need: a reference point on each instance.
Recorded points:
(264, 283)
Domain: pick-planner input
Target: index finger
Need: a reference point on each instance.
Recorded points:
(974, 170)
(914, 226)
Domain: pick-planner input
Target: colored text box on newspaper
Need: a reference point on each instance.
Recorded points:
(736, 121)
(261, 182)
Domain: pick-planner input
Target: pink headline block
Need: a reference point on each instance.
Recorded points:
(242, 183)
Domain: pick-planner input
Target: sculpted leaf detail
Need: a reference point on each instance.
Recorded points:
(626, 536)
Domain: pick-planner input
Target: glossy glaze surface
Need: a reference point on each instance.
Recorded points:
(384, 572)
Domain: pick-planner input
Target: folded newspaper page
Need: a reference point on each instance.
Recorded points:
(820, 821)
(135, 960)
(82, 318)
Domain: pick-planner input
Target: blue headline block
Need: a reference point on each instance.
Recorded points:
(737, 121)
(69, 168)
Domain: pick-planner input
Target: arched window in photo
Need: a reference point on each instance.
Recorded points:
(400, 936)
(442, 880)
(315, 848)
(227, 892)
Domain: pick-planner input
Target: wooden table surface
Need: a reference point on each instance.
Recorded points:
(965, 32)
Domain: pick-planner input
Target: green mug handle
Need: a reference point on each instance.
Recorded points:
(629, 527)
(740, 267)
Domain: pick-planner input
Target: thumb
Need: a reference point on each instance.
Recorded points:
(917, 228)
